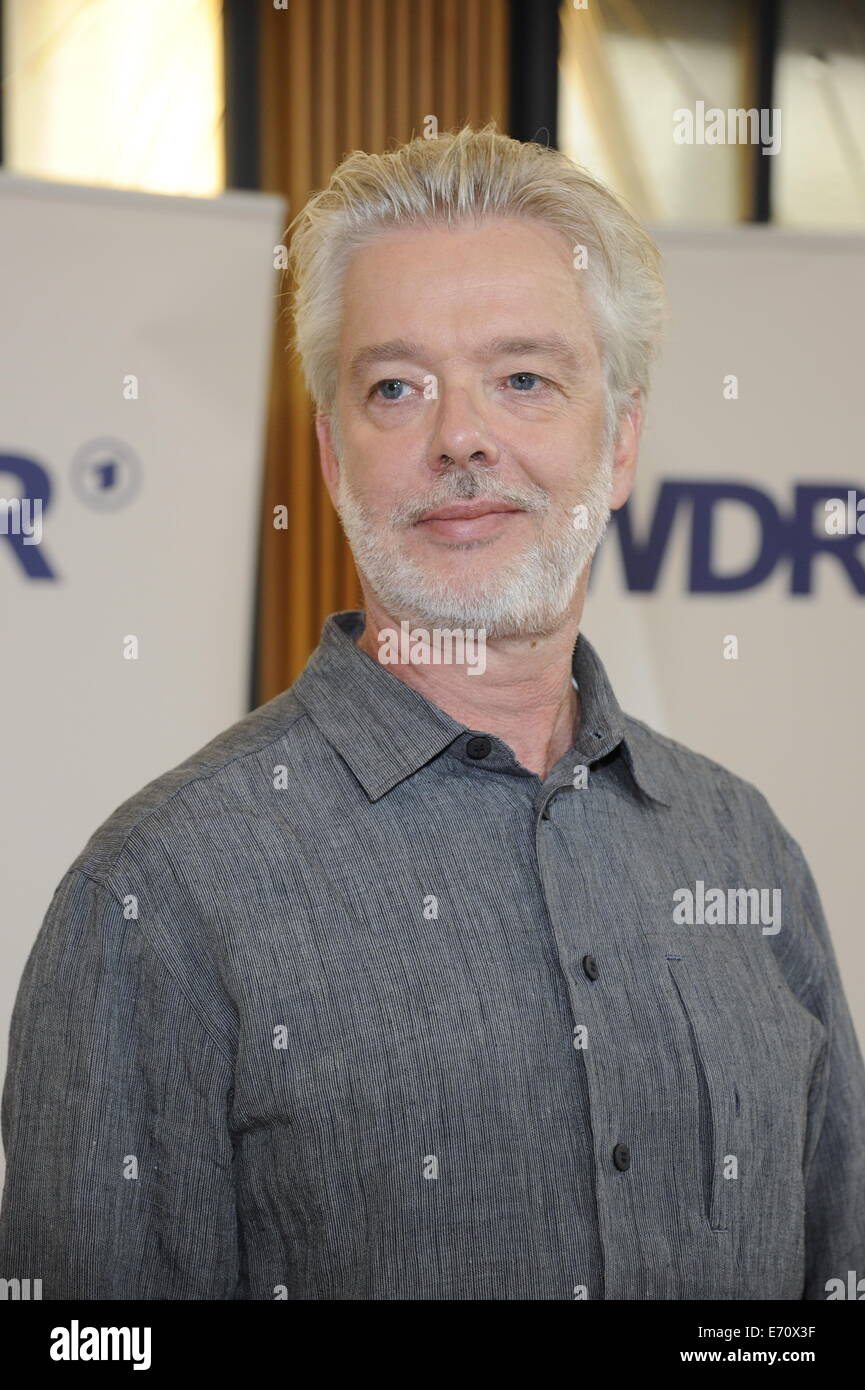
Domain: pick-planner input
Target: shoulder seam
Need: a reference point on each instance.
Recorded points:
(190, 998)
(704, 758)
(202, 777)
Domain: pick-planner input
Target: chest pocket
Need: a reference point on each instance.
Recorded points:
(752, 1048)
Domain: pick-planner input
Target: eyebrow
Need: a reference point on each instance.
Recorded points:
(551, 345)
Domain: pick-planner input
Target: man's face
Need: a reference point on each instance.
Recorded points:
(470, 380)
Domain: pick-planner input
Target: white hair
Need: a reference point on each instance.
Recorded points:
(469, 176)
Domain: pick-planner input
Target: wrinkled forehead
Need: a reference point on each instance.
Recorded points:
(459, 290)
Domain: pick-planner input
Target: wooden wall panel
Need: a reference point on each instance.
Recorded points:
(339, 75)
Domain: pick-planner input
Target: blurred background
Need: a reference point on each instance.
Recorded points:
(152, 157)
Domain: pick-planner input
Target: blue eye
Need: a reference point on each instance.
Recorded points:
(523, 377)
(390, 382)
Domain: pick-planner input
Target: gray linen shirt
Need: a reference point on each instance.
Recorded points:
(352, 1005)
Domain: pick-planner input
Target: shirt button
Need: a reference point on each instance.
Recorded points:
(479, 746)
(622, 1157)
(590, 967)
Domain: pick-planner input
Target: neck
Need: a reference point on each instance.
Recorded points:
(525, 695)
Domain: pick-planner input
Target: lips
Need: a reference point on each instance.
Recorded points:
(467, 511)
(464, 523)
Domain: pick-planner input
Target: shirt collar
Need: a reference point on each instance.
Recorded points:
(385, 730)
(604, 727)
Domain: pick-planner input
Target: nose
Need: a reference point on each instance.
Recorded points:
(461, 435)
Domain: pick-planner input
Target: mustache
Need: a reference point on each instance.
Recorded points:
(466, 486)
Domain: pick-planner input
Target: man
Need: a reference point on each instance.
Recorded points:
(441, 979)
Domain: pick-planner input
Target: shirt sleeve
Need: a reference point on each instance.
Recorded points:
(834, 1165)
(119, 1180)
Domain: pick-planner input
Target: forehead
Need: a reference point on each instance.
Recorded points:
(447, 286)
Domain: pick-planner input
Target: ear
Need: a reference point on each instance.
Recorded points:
(626, 452)
(327, 454)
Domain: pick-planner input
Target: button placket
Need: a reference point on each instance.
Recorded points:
(587, 988)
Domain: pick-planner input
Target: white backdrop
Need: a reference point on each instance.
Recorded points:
(151, 524)
(782, 312)
(153, 532)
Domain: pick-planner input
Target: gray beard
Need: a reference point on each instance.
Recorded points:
(530, 595)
